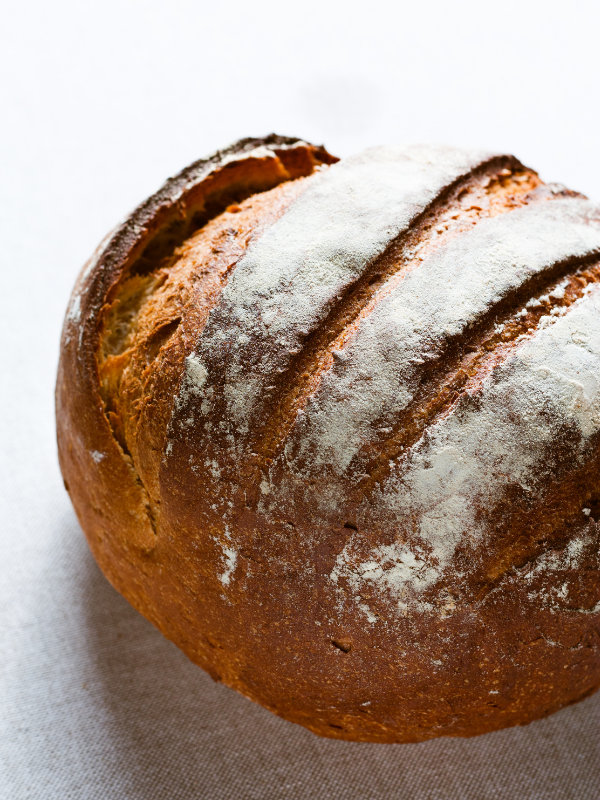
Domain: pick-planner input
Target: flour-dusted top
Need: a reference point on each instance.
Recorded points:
(288, 281)
(507, 434)
(458, 466)
(385, 360)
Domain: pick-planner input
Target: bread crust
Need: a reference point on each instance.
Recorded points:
(231, 435)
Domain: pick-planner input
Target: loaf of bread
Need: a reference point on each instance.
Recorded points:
(334, 426)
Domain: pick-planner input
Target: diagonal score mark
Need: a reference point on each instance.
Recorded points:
(494, 188)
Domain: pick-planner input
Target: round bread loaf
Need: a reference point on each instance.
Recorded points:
(333, 427)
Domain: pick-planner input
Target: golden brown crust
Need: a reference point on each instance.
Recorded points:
(495, 641)
(141, 353)
(111, 501)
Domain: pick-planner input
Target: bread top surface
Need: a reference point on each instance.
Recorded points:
(392, 339)
(366, 393)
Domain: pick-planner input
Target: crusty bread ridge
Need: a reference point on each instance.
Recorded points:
(333, 427)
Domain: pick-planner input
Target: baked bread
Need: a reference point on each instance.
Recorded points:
(333, 427)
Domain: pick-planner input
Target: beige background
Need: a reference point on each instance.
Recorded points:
(100, 101)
